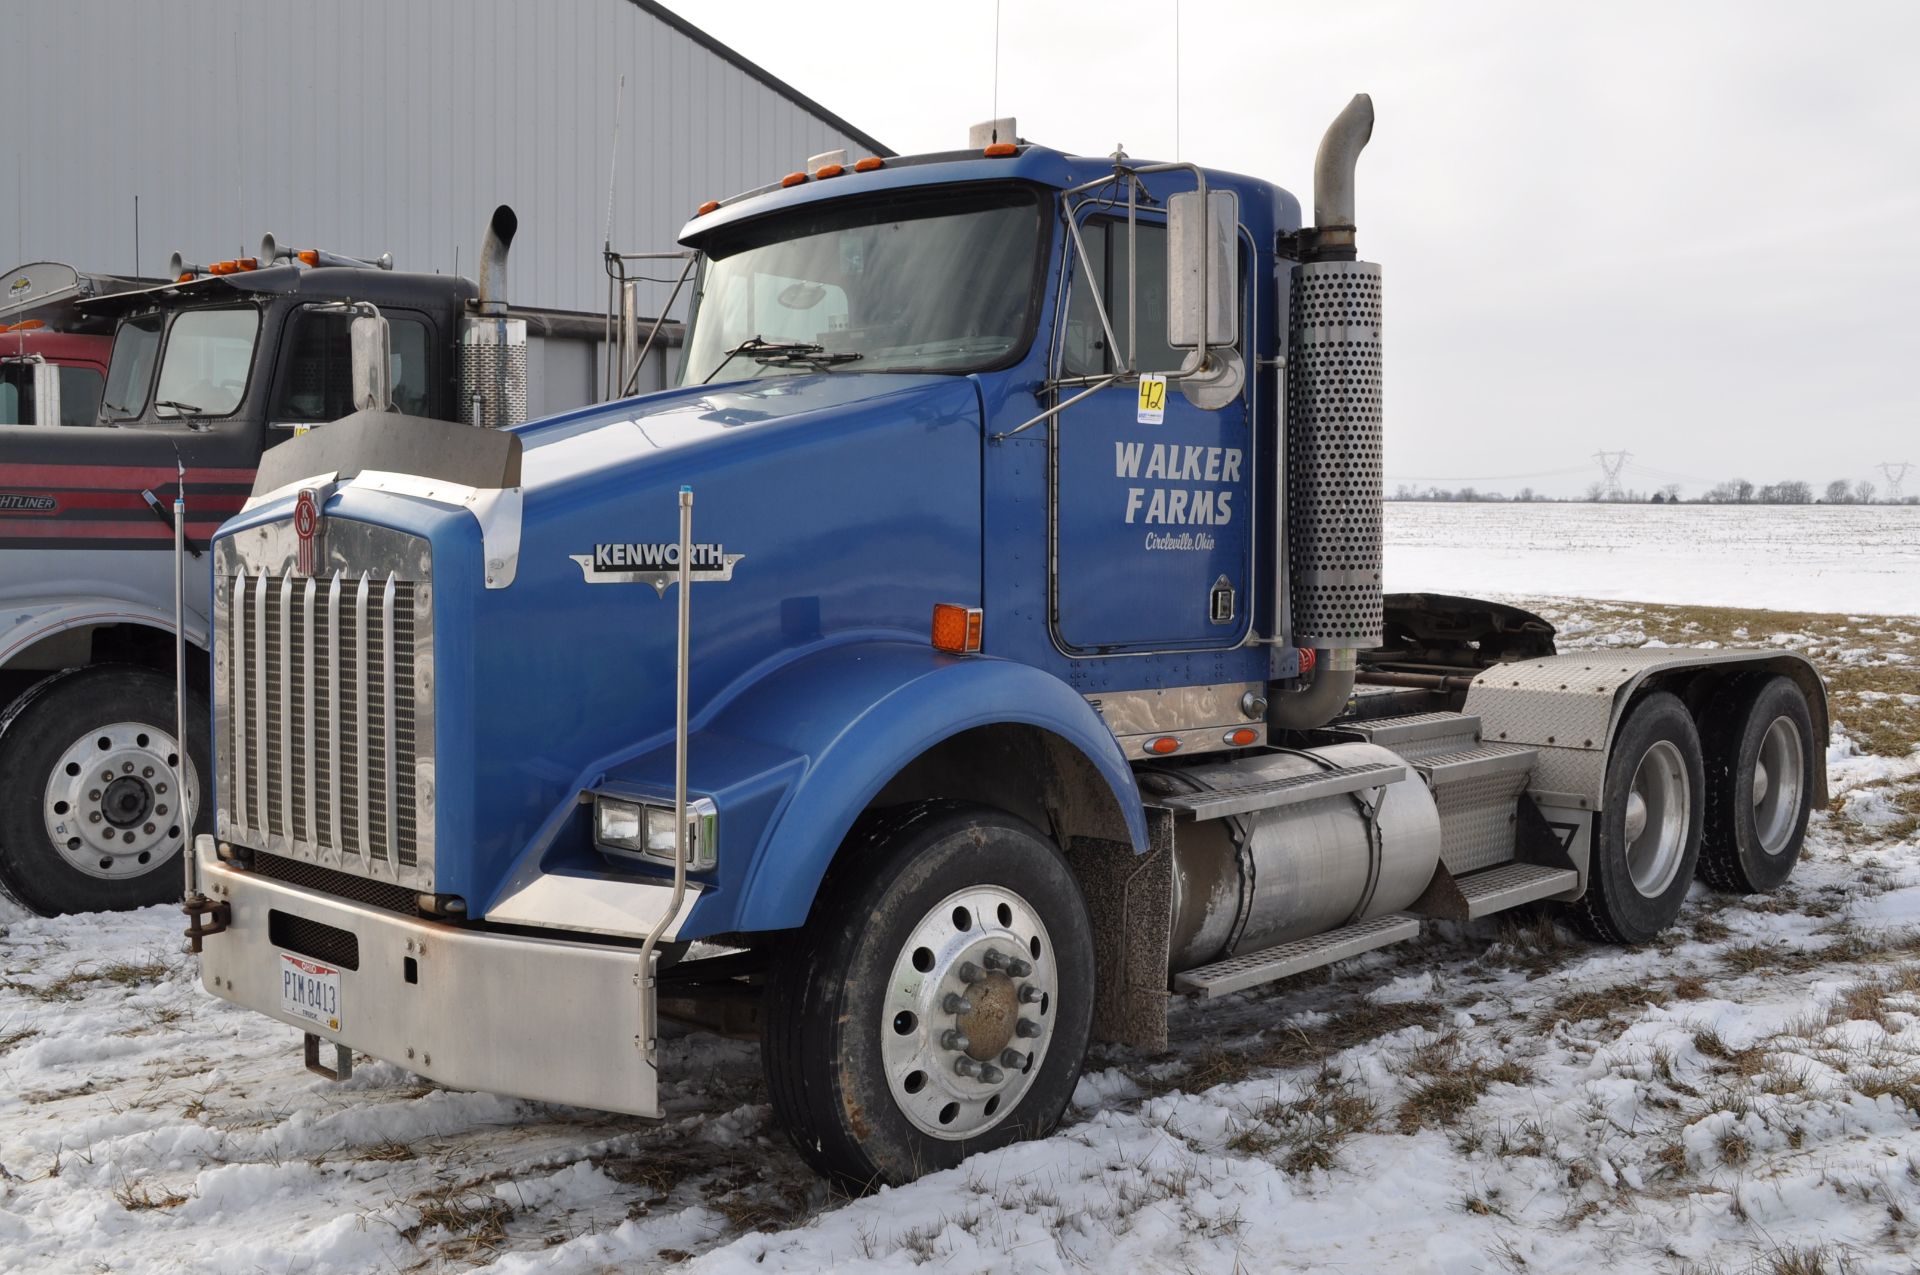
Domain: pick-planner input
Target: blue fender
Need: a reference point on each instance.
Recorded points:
(855, 714)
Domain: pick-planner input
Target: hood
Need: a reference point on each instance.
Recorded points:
(608, 437)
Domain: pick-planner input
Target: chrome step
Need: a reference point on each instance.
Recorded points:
(1269, 794)
(1510, 885)
(1476, 763)
(1237, 973)
(1475, 792)
(1419, 735)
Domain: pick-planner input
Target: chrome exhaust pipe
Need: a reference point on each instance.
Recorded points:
(1333, 169)
(493, 260)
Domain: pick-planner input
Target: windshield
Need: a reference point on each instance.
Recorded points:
(940, 282)
(209, 353)
(130, 369)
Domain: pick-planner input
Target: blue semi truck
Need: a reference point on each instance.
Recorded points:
(983, 644)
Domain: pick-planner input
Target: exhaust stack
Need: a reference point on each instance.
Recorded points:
(493, 260)
(493, 347)
(1333, 431)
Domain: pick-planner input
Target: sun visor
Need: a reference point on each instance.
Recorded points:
(483, 459)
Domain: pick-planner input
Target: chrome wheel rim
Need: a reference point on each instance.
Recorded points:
(1658, 806)
(1778, 771)
(113, 804)
(969, 1012)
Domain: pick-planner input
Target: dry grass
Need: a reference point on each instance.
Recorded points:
(1290, 1047)
(1446, 1084)
(475, 1224)
(76, 983)
(1599, 1003)
(137, 1197)
(18, 1037)
(1303, 1135)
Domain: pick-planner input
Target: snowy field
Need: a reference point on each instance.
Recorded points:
(1786, 557)
(1742, 1096)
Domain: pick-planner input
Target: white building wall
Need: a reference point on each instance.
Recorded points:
(364, 126)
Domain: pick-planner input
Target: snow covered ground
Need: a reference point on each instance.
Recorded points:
(1786, 557)
(1744, 1095)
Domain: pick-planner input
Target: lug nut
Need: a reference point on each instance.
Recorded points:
(1018, 968)
(126, 767)
(1029, 994)
(955, 1040)
(1026, 1028)
(93, 794)
(106, 776)
(93, 816)
(969, 972)
(148, 830)
(955, 1003)
(991, 1074)
(146, 772)
(1013, 1059)
(965, 1066)
(159, 810)
(160, 788)
(993, 960)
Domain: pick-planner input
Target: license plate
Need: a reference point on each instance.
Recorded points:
(310, 990)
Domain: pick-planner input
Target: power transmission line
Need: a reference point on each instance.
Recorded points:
(1896, 473)
(1611, 464)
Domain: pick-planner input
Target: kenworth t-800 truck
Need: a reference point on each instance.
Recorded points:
(1010, 551)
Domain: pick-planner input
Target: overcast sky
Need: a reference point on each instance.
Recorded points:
(1686, 230)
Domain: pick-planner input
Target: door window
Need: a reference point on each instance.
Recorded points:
(316, 378)
(208, 359)
(1086, 352)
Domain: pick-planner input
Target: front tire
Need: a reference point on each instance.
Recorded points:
(1762, 791)
(938, 1001)
(92, 816)
(1649, 830)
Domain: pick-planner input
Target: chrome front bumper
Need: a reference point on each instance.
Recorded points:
(546, 1019)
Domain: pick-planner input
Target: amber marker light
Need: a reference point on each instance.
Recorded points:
(793, 179)
(1000, 150)
(829, 170)
(706, 208)
(1162, 745)
(956, 629)
(1241, 738)
(308, 256)
(868, 164)
(185, 278)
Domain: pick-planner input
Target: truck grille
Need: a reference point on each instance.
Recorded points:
(319, 694)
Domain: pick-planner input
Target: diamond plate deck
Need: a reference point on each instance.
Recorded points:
(1272, 793)
(1237, 973)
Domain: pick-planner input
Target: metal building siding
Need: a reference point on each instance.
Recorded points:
(362, 126)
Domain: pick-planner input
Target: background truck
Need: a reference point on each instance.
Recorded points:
(206, 372)
(1037, 668)
(53, 363)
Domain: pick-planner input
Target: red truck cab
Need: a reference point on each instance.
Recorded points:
(79, 363)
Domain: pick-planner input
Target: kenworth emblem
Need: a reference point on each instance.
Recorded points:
(654, 564)
(310, 525)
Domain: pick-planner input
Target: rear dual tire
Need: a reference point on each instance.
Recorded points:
(1760, 762)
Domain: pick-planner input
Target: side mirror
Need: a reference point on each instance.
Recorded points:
(372, 367)
(1203, 270)
(46, 393)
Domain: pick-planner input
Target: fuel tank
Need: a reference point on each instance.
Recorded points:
(1247, 882)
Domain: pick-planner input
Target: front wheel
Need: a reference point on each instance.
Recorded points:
(937, 1003)
(95, 801)
(1649, 829)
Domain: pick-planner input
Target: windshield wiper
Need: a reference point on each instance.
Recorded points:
(191, 412)
(782, 354)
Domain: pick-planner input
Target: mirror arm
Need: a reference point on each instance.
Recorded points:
(1060, 407)
(1093, 290)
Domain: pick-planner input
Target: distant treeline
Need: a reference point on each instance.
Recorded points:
(1737, 491)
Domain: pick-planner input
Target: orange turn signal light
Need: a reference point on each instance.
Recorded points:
(706, 208)
(185, 278)
(308, 256)
(1000, 150)
(1161, 745)
(1241, 737)
(246, 263)
(25, 325)
(829, 170)
(956, 628)
(868, 164)
(793, 179)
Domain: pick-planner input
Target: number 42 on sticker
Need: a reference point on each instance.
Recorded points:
(1153, 400)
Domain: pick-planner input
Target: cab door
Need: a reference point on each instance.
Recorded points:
(1152, 527)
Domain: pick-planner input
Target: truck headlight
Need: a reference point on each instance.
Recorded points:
(643, 830)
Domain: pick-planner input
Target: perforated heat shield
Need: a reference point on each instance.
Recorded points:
(493, 372)
(1333, 455)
